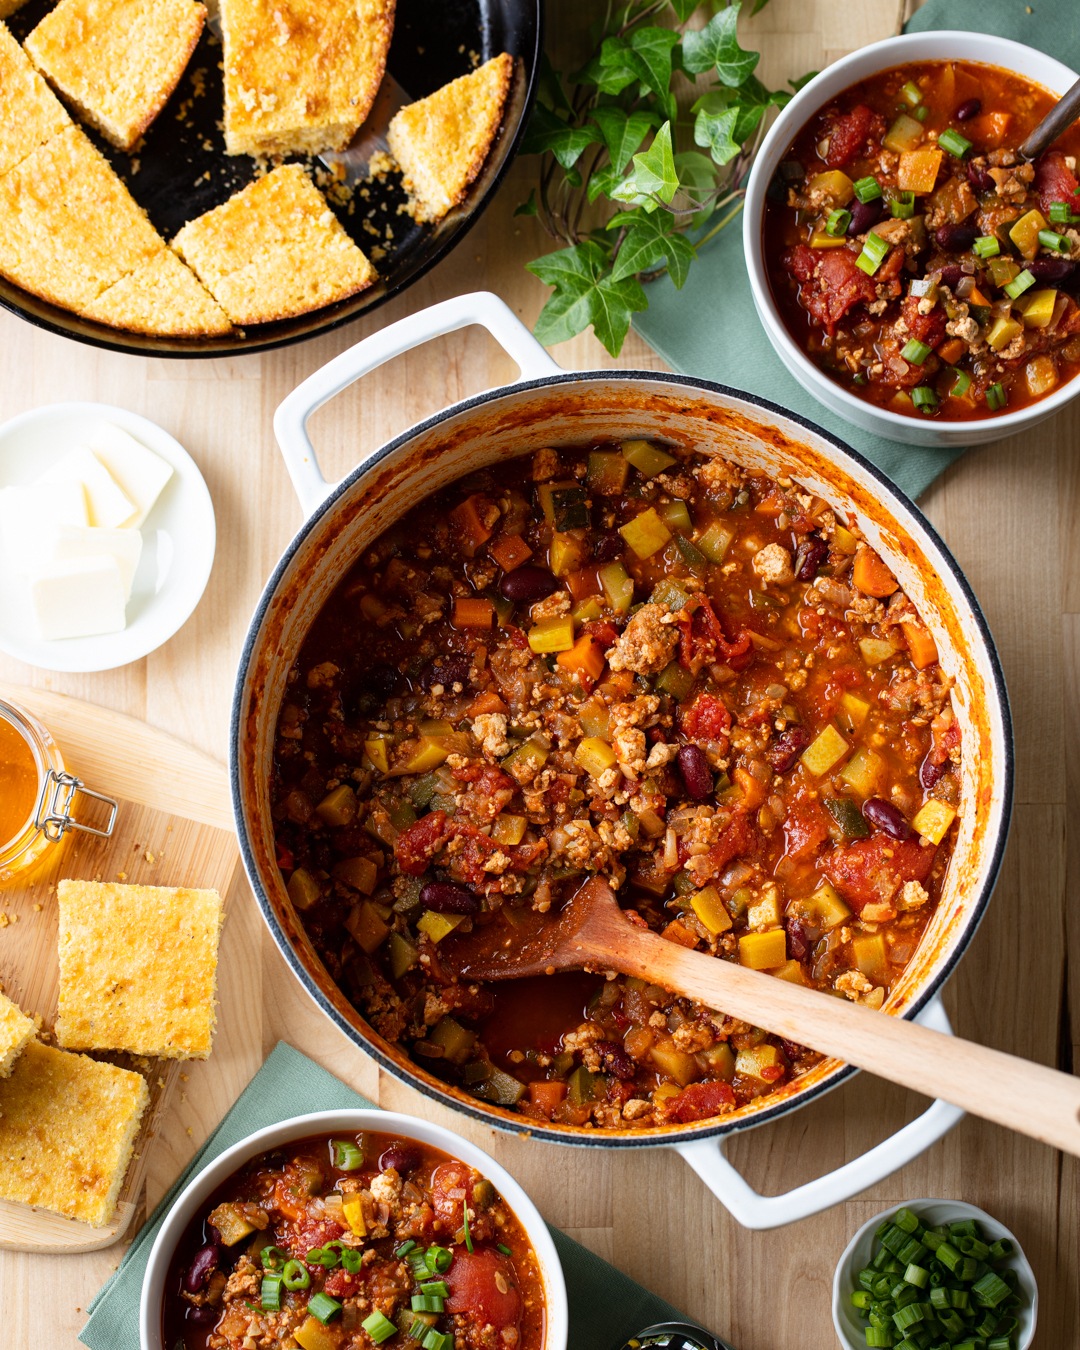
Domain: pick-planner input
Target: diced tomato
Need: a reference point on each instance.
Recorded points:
(850, 133)
(468, 863)
(800, 262)
(285, 859)
(835, 283)
(547, 1095)
(806, 827)
(341, 1284)
(417, 844)
(605, 633)
(887, 277)
(484, 1287)
(702, 639)
(871, 871)
(449, 1184)
(928, 328)
(1055, 181)
(700, 1101)
(706, 719)
(740, 837)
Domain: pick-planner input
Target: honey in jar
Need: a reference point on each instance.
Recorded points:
(18, 782)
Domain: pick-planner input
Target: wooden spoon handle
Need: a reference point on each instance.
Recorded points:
(1017, 1093)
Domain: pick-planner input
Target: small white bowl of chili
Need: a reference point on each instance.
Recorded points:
(874, 371)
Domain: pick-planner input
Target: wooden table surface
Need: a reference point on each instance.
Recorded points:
(1010, 512)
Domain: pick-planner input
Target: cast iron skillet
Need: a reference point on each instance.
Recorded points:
(181, 169)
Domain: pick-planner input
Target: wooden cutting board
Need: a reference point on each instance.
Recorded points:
(174, 828)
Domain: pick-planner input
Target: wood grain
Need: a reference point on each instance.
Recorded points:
(1010, 512)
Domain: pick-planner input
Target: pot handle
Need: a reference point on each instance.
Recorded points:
(756, 1211)
(291, 418)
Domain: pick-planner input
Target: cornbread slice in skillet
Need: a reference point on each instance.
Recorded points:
(274, 250)
(137, 968)
(9, 7)
(69, 228)
(300, 77)
(67, 1127)
(441, 142)
(30, 113)
(163, 298)
(116, 61)
(16, 1029)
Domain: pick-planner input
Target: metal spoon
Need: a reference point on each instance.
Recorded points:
(675, 1336)
(1058, 120)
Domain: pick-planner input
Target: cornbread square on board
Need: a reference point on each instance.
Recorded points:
(163, 298)
(16, 1029)
(67, 1128)
(137, 968)
(69, 228)
(441, 142)
(116, 61)
(30, 113)
(274, 250)
(300, 78)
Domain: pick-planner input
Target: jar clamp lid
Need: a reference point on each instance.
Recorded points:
(52, 815)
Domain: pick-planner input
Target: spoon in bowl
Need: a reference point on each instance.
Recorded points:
(591, 932)
(1058, 120)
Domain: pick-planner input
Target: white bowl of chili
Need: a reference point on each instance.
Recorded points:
(947, 424)
(531, 1259)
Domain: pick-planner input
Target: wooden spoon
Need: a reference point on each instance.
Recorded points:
(592, 932)
(1058, 120)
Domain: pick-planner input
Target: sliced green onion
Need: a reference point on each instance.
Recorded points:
(953, 142)
(999, 1343)
(873, 254)
(906, 1221)
(1051, 239)
(417, 1263)
(347, 1157)
(437, 1340)
(964, 1228)
(1002, 1248)
(270, 1292)
(986, 246)
(916, 352)
(911, 93)
(967, 1269)
(972, 1246)
(465, 1225)
(352, 1260)
(323, 1256)
(990, 1290)
(838, 222)
(273, 1258)
(961, 384)
(924, 399)
(504, 1249)
(859, 379)
(405, 1248)
(323, 1307)
(912, 1250)
(996, 399)
(1019, 285)
(878, 1337)
(939, 1299)
(1060, 213)
(438, 1259)
(437, 1287)
(919, 1276)
(869, 189)
(860, 1298)
(378, 1327)
(295, 1276)
(902, 205)
(921, 113)
(427, 1303)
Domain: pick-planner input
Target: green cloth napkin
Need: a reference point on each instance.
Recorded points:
(606, 1307)
(710, 327)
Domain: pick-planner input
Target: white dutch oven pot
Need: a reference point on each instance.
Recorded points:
(550, 406)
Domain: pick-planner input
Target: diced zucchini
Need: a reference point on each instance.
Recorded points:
(721, 1061)
(366, 927)
(843, 540)
(675, 1063)
(870, 956)
(824, 908)
(303, 889)
(1037, 307)
(853, 712)
(377, 750)
(837, 187)
(848, 816)
(825, 752)
(552, 635)
(933, 819)
(646, 533)
(716, 541)
(607, 473)
(864, 771)
(1024, 233)
(583, 1086)
(456, 1040)
(594, 755)
(403, 955)
(669, 594)
(230, 1223)
(904, 134)
(501, 1088)
(567, 553)
(436, 926)
(763, 951)
(750, 1063)
(791, 971)
(339, 806)
(529, 756)
(545, 497)
(875, 650)
(765, 911)
(569, 508)
(618, 587)
(709, 908)
(646, 458)
(428, 753)
(1002, 270)
(586, 611)
(674, 681)
(359, 873)
(690, 553)
(676, 516)
(594, 718)
(508, 829)
(1003, 332)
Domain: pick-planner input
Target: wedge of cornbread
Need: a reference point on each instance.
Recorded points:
(16, 1030)
(30, 113)
(163, 298)
(137, 968)
(274, 250)
(116, 61)
(9, 7)
(67, 1128)
(441, 142)
(69, 228)
(300, 78)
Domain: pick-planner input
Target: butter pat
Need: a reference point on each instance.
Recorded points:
(90, 542)
(107, 503)
(30, 516)
(140, 473)
(80, 597)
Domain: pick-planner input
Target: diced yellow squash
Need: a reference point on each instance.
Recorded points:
(552, 635)
(587, 610)
(834, 185)
(436, 926)
(870, 956)
(646, 458)
(765, 911)
(665, 1092)
(608, 471)
(875, 650)
(1040, 375)
(791, 971)
(709, 908)
(530, 755)
(1003, 332)
(339, 806)
(823, 239)
(428, 754)
(230, 1223)
(567, 553)
(674, 1063)
(594, 718)
(716, 541)
(360, 873)
(824, 908)
(904, 134)
(721, 1061)
(1025, 233)
(864, 771)
(594, 755)
(763, 951)
(377, 750)
(843, 540)
(645, 533)
(933, 819)
(366, 927)
(918, 170)
(403, 955)
(312, 1335)
(676, 514)
(303, 889)
(853, 711)
(1037, 307)
(618, 586)
(435, 726)
(825, 751)
(354, 1214)
(751, 1062)
(508, 829)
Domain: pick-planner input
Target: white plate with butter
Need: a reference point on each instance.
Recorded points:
(150, 585)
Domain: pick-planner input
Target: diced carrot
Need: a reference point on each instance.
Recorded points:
(466, 517)
(547, 1096)
(977, 298)
(474, 612)
(585, 659)
(871, 576)
(618, 684)
(583, 583)
(951, 351)
(921, 645)
(753, 789)
(488, 702)
(676, 931)
(771, 504)
(509, 551)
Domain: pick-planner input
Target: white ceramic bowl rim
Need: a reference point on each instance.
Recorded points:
(894, 51)
(353, 1119)
(236, 734)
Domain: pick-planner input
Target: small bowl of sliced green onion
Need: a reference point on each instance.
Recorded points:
(934, 1275)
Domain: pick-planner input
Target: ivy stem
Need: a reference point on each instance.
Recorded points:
(717, 228)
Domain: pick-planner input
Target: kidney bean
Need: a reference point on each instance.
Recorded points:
(979, 179)
(446, 898)
(528, 584)
(696, 774)
(203, 1317)
(951, 274)
(798, 940)
(382, 680)
(955, 238)
(615, 1060)
(864, 215)
(884, 816)
(446, 670)
(202, 1263)
(969, 108)
(930, 771)
(402, 1160)
(609, 547)
(1051, 269)
(787, 748)
(792, 1049)
(811, 553)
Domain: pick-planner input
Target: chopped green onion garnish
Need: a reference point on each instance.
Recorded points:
(427, 1303)
(916, 352)
(436, 1340)
(1060, 212)
(921, 113)
(438, 1259)
(868, 189)
(859, 379)
(960, 386)
(324, 1307)
(990, 1290)
(273, 1258)
(323, 1256)
(878, 1337)
(504, 1249)
(1019, 285)
(873, 254)
(906, 1220)
(378, 1327)
(955, 143)
(465, 1225)
(838, 222)
(351, 1260)
(902, 205)
(405, 1248)
(996, 400)
(270, 1292)
(986, 246)
(925, 400)
(347, 1157)
(1003, 1247)
(1051, 239)
(911, 93)
(437, 1287)
(919, 1276)
(295, 1276)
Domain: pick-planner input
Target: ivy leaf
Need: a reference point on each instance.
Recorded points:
(684, 8)
(613, 303)
(550, 87)
(583, 261)
(548, 131)
(610, 72)
(605, 181)
(714, 130)
(623, 132)
(654, 171)
(697, 174)
(527, 208)
(717, 45)
(648, 240)
(650, 55)
(804, 79)
(585, 292)
(758, 6)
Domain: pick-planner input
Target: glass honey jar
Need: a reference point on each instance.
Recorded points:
(37, 794)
